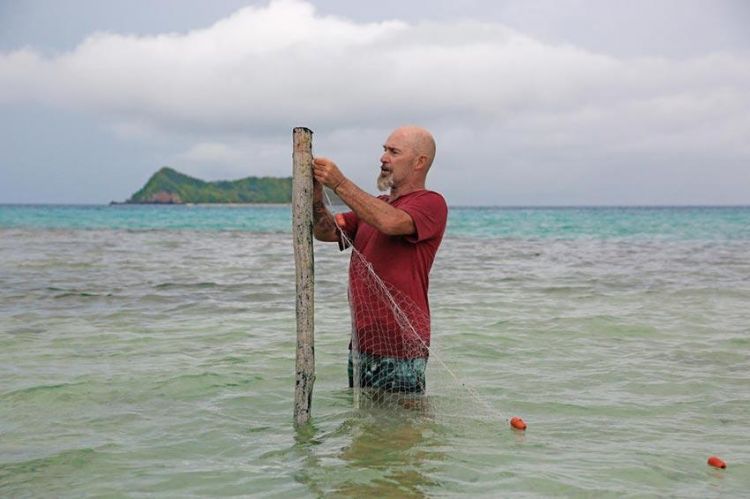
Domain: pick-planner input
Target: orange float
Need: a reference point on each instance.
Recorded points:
(518, 423)
(716, 462)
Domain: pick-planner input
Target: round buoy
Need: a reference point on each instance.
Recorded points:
(517, 423)
(716, 462)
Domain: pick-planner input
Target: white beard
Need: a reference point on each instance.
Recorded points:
(385, 181)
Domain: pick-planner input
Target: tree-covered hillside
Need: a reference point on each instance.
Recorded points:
(168, 186)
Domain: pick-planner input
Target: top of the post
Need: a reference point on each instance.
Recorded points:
(302, 129)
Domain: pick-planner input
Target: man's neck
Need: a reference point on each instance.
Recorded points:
(397, 192)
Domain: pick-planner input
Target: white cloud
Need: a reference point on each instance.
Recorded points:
(210, 152)
(237, 87)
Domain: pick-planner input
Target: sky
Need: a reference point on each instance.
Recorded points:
(546, 102)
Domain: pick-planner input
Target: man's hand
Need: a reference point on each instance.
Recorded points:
(327, 173)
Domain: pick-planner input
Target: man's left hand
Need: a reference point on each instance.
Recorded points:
(326, 172)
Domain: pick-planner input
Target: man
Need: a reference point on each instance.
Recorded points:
(396, 237)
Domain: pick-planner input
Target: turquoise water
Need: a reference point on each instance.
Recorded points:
(149, 351)
(704, 223)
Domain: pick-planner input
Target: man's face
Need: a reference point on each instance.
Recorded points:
(397, 161)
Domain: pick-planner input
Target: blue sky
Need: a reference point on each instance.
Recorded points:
(532, 103)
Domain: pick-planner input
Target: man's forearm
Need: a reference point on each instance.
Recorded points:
(376, 212)
(324, 226)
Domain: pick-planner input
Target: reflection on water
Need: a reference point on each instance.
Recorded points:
(393, 402)
(387, 447)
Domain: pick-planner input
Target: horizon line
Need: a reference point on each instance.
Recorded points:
(497, 206)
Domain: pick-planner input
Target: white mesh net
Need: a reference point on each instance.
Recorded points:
(391, 343)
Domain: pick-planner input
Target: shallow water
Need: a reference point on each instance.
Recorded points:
(160, 362)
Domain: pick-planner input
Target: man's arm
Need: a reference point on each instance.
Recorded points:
(376, 212)
(324, 226)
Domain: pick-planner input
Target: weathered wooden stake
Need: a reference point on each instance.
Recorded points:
(302, 227)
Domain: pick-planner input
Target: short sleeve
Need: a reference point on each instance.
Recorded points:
(348, 232)
(429, 212)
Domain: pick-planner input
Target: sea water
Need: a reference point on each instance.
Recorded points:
(149, 351)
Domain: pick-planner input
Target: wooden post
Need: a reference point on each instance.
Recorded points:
(302, 228)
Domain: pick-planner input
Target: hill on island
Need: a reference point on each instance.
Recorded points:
(168, 186)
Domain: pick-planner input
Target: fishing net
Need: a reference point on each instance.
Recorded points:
(394, 361)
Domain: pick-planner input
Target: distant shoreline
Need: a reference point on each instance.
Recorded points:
(461, 206)
(189, 204)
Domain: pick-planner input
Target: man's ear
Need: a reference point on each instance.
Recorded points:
(421, 163)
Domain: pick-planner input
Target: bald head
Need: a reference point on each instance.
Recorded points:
(419, 139)
(407, 156)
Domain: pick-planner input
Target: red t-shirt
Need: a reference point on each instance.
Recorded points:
(402, 264)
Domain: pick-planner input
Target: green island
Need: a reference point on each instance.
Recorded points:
(168, 186)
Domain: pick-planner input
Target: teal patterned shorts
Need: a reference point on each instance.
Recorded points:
(388, 373)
